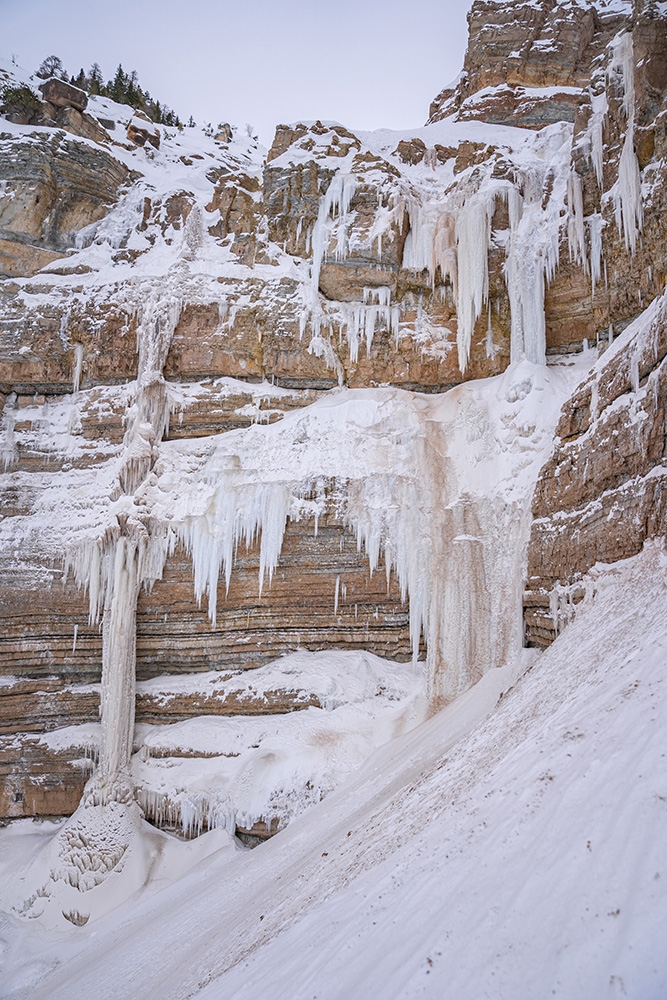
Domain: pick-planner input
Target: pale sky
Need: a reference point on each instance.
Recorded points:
(364, 63)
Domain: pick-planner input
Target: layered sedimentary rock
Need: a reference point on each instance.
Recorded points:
(166, 287)
(602, 493)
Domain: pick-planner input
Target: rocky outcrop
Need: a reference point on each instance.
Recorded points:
(63, 95)
(526, 63)
(602, 493)
(54, 187)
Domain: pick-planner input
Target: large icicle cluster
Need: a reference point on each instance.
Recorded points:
(449, 237)
(414, 480)
(626, 193)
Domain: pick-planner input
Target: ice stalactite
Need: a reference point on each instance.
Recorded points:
(576, 226)
(333, 216)
(322, 347)
(236, 512)
(148, 418)
(78, 367)
(595, 224)
(8, 449)
(532, 258)
(595, 134)
(360, 319)
(431, 241)
(627, 191)
(473, 234)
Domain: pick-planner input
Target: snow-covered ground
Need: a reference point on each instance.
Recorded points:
(510, 853)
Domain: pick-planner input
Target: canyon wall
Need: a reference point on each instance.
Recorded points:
(234, 286)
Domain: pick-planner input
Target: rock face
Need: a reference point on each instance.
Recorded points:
(161, 286)
(527, 63)
(63, 95)
(602, 493)
(54, 187)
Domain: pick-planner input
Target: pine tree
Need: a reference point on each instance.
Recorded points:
(117, 88)
(95, 80)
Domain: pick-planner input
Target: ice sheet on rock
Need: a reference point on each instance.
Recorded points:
(242, 771)
(334, 677)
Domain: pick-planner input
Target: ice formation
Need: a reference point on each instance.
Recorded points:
(333, 217)
(439, 488)
(627, 192)
(394, 471)
(532, 258)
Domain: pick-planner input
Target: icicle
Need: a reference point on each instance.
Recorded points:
(333, 213)
(431, 241)
(595, 224)
(63, 332)
(627, 192)
(595, 132)
(359, 319)
(323, 348)
(336, 593)
(531, 261)
(576, 228)
(473, 233)
(627, 195)
(8, 448)
(78, 366)
(490, 347)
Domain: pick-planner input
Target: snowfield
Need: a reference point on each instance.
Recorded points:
(515, 852)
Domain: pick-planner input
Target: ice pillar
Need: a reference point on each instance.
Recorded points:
(119, 643)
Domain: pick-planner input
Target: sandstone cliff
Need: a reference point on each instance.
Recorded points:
(159, 293)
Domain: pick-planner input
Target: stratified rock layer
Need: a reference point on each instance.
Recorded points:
(602, 493)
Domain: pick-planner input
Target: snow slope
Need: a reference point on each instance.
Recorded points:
(504, 855)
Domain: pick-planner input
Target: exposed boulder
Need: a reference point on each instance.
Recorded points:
(141, 131)
(63, 95)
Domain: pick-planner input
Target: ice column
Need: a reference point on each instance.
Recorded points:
(532, 257)
(473, 232)
(112, 780)
(113, 568)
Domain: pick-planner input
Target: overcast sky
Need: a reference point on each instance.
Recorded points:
(365, 63)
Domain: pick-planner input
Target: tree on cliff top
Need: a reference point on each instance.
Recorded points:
(124, 88)
(52, 66)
